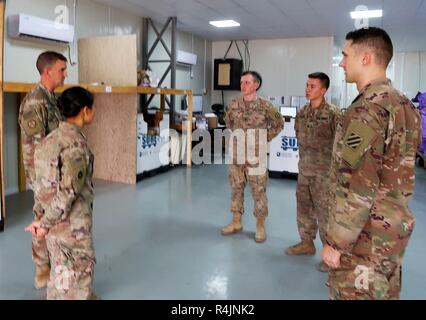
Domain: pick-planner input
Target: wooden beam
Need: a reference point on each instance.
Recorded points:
(162, 103)
(2, 192)
(189, 133)
(149, 90)
(20, 87)
(26, 87)
(23, 87)
(111, 89)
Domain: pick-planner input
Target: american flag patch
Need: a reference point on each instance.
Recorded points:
(353, 141)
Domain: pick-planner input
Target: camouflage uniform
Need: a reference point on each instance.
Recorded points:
(315, 129)
(64, 169)
(38, 116)
(372, 182)
(258, 114)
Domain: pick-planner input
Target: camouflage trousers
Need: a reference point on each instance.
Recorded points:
(312, 206)
(40, 255)
(366, 278)
(238, 177)
(72, 268)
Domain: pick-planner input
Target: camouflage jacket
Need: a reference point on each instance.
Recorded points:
(38, 116)
(64, 169)
(258, 114)
(372, 173)
(315, 130)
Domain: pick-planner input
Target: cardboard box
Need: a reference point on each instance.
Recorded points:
(212, 120)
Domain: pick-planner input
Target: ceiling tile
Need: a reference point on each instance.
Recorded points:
(284, 18)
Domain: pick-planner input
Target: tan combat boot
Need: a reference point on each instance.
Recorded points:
(260, 235)
(303, 247)
(42, 276)
(234, 227)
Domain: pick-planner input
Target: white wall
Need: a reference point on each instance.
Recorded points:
(201, 75)
(283, 63)
(409, 74)
(341, 93)
(20, 56)
(92, 19)
(407, 71)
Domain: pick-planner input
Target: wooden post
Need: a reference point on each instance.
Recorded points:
(189, 132)
(162, 103)
(2, 193)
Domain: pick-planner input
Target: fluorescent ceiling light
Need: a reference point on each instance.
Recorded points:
(224, 23)
(361, 14)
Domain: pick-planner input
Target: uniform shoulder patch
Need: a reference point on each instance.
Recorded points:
(357, 141)
(354, 140)
(78, 173)
(276, 113)
(74, 168)
(31, 123)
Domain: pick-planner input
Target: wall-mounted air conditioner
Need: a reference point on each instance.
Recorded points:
(187, 58)
(25, 26)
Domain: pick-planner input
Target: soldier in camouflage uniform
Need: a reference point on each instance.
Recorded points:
(243, 114)
(38, 116)
(64, 169)
(315, 128)
(372, 176)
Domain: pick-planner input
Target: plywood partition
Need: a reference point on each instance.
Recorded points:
(112, 137)
(111, 60)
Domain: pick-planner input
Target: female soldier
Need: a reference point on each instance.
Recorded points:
(64, 168)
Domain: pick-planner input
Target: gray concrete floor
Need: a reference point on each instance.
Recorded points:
(160, 239)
